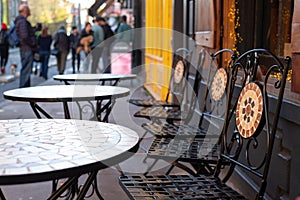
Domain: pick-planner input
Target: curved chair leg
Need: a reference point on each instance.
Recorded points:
(183, 167)
(151, 166)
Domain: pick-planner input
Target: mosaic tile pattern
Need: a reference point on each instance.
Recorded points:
(36, 146)
(179, 71)
(219, 84)
(249, 110)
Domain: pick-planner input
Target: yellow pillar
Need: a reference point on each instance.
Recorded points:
(158, 46)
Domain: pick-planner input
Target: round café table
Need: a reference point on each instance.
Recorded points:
(104, 96)
(35, 150)
(101, 78)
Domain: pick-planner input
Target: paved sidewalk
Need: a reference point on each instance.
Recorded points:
(14, 58)
(108, 178)
(10, 81)
(122, 114)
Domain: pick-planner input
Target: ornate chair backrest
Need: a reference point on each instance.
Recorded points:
(179, 75)
(216, 89)
(249, 131)
(194, 81)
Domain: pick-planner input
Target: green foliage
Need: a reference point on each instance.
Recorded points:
(49, 12)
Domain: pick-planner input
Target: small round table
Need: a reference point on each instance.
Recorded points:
(34, 150)
(101, 78)
(103, 95)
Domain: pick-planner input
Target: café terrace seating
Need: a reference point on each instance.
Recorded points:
(177, 83)
(247, 138)
(187, 97)
(184, 143)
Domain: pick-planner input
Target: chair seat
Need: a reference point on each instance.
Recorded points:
(192, 150)
(172, 130)
(161, 113)
(177, 187)
(151, 102)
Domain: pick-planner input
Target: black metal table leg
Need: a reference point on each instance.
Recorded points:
(36, 109)
(67, 185)
(91, 178)
(107, 108)
(66, 110)
(2, 197)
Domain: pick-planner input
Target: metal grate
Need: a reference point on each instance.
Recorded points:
(185, 149)
(177, 187)
(172, 130)
(151, 102)
(161, 113)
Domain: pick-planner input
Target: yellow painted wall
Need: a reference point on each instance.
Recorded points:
(158, 53)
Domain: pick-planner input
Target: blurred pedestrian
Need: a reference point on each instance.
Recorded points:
(36, 57)
(61, 43)
(38, 29)
(74, 41)
(108, 40)
(86, 39)
(28, 43)
(123, 33)
(44, 46)
(4, 47)
(85, 44)
(98, 34)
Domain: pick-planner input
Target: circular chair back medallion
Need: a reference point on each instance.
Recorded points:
(219, 84)
(178, 71)
(249, 110)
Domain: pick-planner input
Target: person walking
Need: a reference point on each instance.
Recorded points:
(74, 41)
(85, 44)
(123, 33)
(108, 40)
(44, 46)
(36, 60)
(61, 43)
(98, 34)
(28, 44)
(4, 47)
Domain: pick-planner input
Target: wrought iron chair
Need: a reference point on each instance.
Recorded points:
(247, 141)
(177, 83)
(188, 96)
(183, 143)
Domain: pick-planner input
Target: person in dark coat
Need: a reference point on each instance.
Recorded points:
(85, 45)
(37, 63)
(28, 44)
(123, 33)
(86, 39)
(4, 47)
(74, 41)
(108, 40)
(61, 43)
(44, 44)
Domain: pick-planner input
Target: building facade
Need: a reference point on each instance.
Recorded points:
(9, 10)
(238, 25)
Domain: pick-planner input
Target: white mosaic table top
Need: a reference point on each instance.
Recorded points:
(33, 148)
(56, 93)
(92, 77)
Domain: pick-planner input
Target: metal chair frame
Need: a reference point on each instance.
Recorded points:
(178, 143)
(240, 143)
(175, 90)
(186, 105)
